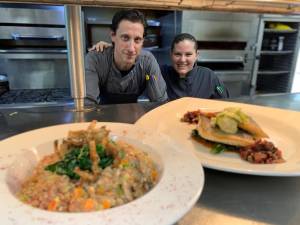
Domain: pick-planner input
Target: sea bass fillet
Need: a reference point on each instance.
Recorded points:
(252, 127)
(208, 132)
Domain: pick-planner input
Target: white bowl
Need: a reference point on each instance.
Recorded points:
(180, 185)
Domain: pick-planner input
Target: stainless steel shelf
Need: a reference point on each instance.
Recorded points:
(268, 93)
(222, 60)
(285, 52)
(267, 30)
(232, 72)
(273, 72)
(92, 21)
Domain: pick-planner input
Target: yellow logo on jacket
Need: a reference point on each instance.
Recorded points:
(148, 77)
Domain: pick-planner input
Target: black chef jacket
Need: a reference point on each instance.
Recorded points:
(200, 82)
(105, 84)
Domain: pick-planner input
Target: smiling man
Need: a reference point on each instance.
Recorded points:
(123, 72)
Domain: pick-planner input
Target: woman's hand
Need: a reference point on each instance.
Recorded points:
(100, 46)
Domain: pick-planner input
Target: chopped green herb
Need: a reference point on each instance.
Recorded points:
(120, 190)
(112, 142)
(218, 148)
(126, 165)
(121, 154)
(79, 157)
(195, 133)
(100, 150)
(24, 197)
(106, 161)
(63, 168)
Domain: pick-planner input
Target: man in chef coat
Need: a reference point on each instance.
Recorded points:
(123, 72)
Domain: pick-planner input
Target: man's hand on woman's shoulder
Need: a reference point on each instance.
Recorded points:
(100, 46)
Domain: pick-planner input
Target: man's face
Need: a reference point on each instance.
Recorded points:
(183, 56)
(128, 40)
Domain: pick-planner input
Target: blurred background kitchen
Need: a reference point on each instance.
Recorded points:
(253, 54)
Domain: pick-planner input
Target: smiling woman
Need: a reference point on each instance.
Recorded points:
(184, 78)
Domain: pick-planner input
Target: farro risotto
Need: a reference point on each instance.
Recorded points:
(87, 172)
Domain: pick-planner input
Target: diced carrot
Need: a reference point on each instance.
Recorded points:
(106, 204)
(52, 206)
(154, 175)
(89, 204)
(78, 192)
(91, 190)
(124, 163)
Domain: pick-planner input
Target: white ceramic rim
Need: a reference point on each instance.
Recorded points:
(179, 188)
(281, 125)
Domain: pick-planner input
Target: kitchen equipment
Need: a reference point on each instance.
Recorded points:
(273, 44)
(226, 42)
(280, 43)
(33, 46)
(4, 85)
(151, 41)
(274, 67)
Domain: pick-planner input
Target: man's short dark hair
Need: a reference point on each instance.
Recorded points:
(131, 15)
(184, 36)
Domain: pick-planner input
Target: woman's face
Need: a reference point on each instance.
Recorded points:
(183, 57)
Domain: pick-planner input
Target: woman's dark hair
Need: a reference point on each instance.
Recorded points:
(131, 15)
(181, 37)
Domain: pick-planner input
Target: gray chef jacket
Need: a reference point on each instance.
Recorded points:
(200, 82)
(105, 84)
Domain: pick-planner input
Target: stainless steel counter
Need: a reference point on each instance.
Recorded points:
(283, 101)
(227, 198)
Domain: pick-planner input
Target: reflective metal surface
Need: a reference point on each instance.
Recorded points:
(37, 73)
(33, 54)
(33, 51)
(10, 31)
(283, 101)
(31, 14)
(76, 54)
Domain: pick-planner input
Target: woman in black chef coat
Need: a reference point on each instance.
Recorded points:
(184, 78)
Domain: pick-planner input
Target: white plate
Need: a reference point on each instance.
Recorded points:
(283, 127)
(177, 191)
